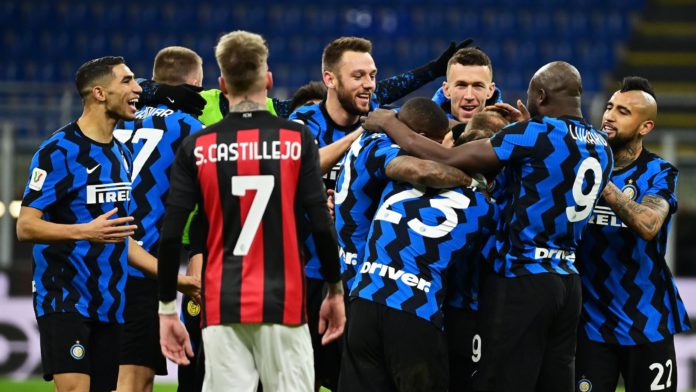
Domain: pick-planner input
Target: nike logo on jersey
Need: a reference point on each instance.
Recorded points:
(89, 171)
(604, 216)
(170, 100)
(386, 271)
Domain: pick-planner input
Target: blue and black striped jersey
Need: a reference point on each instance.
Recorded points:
(629, 295)
(556, 168)
(325, 132)
(358, 190)
(75, 180)
(153, 139)
(415, 236)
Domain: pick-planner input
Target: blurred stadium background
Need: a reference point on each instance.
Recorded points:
(44, 41)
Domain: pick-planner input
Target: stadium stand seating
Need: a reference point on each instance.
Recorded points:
(46, 41)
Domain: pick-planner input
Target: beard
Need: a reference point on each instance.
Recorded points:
(347, 101)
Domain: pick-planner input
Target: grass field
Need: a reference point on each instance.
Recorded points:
(38, 385)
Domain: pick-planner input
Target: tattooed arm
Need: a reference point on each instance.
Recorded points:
(425, 173)
(645, 218)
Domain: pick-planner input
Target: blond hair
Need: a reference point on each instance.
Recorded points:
(242, 58)
(174, 65)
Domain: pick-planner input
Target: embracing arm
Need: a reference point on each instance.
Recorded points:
(645, 218)
(331, 154)
(474, 157)
(426, 173)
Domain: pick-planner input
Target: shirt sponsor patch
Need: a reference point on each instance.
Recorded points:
(38, 177)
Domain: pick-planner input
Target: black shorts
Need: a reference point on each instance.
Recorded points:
(140, 342)
(71, 343)
(191, 376)
(462, 347)
(327, 359)
(391, 350)
(645, 367)
(527, 330)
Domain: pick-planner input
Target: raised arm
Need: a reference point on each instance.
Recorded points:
(474, 157)
(645, 218)
(397, 87)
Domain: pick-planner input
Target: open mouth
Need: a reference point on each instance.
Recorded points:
(362, 99)
(608, 128)
(132, 103)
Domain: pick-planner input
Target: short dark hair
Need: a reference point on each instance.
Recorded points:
(334, 50)
(424, 116)
(309, 92)
(637, 83)
(471, 56)
(93, 70)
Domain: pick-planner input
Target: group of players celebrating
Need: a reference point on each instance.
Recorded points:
(468, 244)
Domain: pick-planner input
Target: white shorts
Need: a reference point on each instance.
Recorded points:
(237, 355)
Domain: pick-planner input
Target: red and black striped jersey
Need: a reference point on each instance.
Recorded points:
(253, 175)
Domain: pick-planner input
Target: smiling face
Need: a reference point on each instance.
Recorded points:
(627, 117)
(468, 87)
(121, 93)
(354, 81)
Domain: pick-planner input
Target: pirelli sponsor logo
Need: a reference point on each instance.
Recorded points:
(604, 216)
(108, 193)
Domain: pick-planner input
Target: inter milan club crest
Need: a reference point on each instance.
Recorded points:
(584, 385)
(630, 191)
(77, 350)
(193, 308)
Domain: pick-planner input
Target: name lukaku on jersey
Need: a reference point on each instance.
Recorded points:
(583, 134)
(108, 193)
(392, 273)
(276, 150)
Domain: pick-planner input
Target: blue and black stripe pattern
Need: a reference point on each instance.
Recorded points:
(325, 132)
(358, 190)
(415, 237)
(83, 179)
(555, 171)
(629, 295)
(153, 139)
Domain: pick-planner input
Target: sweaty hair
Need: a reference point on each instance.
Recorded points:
(335, 49)
(424, 116)
(633, 83)
(311, 91)
(174, 64)
(93, 70)
(242, 59)
(470, 56)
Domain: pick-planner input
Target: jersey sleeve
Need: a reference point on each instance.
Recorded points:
(516, 142)
(183, 178)
(49, 178)
(384, 151)
(664, 185)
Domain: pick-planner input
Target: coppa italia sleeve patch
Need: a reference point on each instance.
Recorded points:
(38, 177)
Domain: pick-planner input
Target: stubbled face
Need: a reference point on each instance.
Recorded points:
(122, 93)
(355, 81)
(623, 117)
(468, 87)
